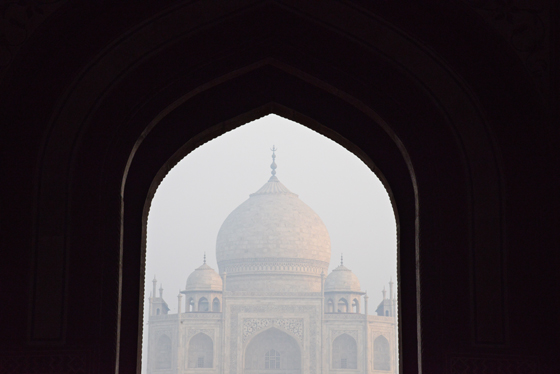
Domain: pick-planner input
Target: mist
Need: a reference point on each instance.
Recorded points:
(198, 194)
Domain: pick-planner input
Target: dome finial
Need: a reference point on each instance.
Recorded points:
(273, 165)
(341, 260)
(204, 256)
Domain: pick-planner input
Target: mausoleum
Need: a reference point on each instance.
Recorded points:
(272, 307)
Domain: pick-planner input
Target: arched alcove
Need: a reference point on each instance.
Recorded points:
(272, 349)
(200, 352)
(355, 306)
(381, 354)
(344, 352)
(203, 305)
(342, 306)
(216, 305)
(163, 353)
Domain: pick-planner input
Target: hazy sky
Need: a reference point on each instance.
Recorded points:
(197, 195)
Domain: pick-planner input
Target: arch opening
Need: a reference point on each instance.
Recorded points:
(342, 306)
(203, 305)
(344, 352)
(273, 350)
(163, 353)
(355, 306)
(216, 305)
(346, 304)
(382, 354)
(201, 352)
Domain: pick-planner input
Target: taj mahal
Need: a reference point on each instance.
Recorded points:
(272, 308)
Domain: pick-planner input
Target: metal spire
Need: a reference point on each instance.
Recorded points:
(205, 257)
(341, 260)
(273, 165)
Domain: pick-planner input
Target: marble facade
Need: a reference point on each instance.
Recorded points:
(272, 309)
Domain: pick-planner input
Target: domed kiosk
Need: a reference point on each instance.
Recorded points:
(204, 278)
(342, 291)
(272, 307)
(342, 279)
(203, 291)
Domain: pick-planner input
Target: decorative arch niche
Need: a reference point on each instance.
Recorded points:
(216, 305)
(201, 351)
(163, 353)
(203, 305)
(272, 349)
(344, 352)
(342, 305)
(381, 354)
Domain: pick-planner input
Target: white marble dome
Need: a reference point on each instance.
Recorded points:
(273, 224)
(342, 279)
(204, 278)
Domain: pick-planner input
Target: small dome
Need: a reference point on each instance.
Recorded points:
(342, 279)
(204, 279)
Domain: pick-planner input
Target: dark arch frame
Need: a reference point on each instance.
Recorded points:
(134, 137)
(286, 112)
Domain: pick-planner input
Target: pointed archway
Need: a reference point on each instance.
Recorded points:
(272, 350)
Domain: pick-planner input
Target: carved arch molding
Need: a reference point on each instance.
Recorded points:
(252, 326)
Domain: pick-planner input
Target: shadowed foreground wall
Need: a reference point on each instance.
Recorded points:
(453, 104)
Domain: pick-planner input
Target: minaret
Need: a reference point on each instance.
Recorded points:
(179, 296)
(323, 283)
(366, 333)
(393, 300)
(158, 305)
(179, 355)
(153, 295)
